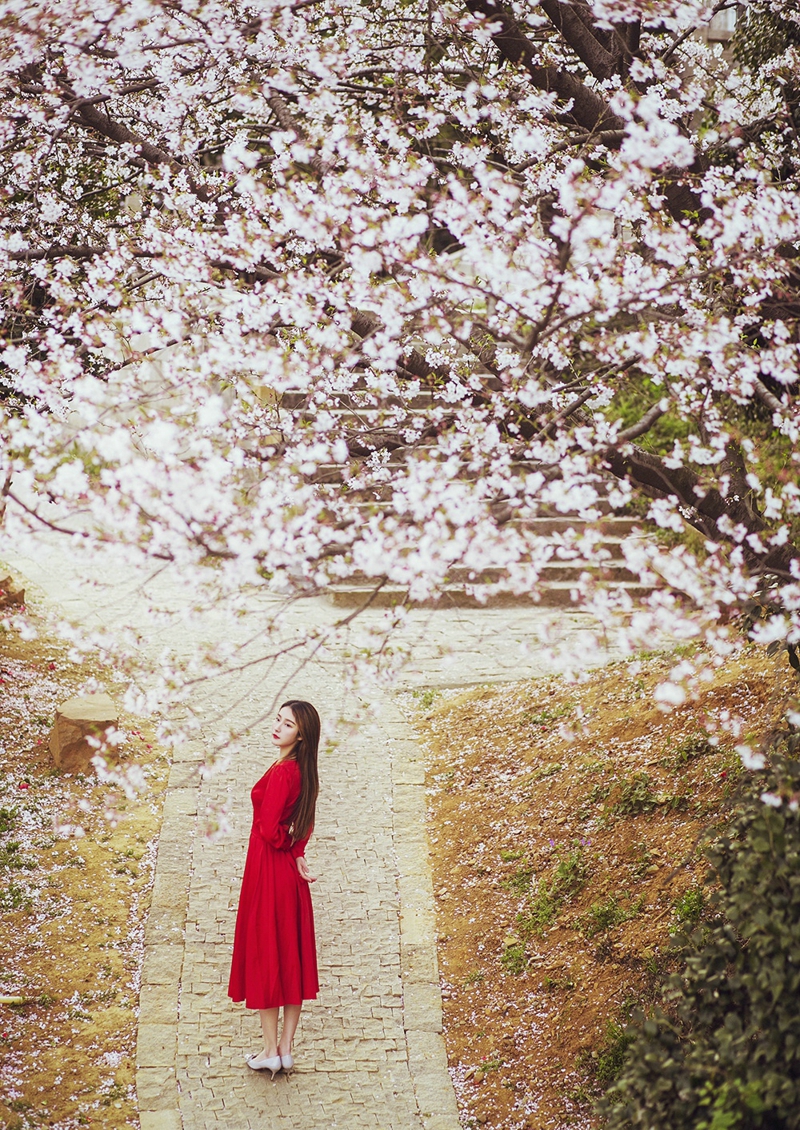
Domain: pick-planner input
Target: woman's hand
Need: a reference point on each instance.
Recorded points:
(302, 867)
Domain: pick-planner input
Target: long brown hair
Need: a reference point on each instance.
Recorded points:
(304, 752)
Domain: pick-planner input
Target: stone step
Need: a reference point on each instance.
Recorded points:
(614, 527)
(376, 497)
(614, 570)
(337, 472)
(418, 404)
(557, 594)
(551, 521)
(360, 396)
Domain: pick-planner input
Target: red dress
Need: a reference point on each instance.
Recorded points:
(274, 953)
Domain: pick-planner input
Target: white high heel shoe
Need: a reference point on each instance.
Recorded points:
(287, 1063)
(265, 1063)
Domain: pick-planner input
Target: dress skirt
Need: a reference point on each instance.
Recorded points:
(274, 951)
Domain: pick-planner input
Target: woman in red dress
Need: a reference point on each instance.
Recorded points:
(274, 954)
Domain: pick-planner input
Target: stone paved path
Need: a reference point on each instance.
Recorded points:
(370, 1051)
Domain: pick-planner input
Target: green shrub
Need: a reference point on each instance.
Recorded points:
(542, 910)
(546, 771)
(548, 715)
(570, 873)
(426, 698)
(15, 897)
(693, 747)
(726, 1053)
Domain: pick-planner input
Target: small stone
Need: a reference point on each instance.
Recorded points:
(87, 716)
(9, 594)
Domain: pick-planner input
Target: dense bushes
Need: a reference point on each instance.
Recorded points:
(725, 1054)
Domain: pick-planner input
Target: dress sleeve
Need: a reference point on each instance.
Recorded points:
(272, 808)
(298, 848)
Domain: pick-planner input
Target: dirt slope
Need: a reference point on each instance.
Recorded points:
(562, 861)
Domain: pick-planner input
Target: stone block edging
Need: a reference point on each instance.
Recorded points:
(164, 945)
(422, 997)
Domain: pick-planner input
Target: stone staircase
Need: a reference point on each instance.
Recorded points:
(560, 577)
(558, 585)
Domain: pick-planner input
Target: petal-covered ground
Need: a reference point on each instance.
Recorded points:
(76, 865)
(567, 824)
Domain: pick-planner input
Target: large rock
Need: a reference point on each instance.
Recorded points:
(88, 716)
(10, 594)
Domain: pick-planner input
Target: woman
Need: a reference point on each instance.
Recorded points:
(274, 955)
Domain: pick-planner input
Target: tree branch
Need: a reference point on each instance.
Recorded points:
(100, 122)
(251, 273)
(701, 507)
(645, 424)
(68, 251)
(766, 397)
(708, 16)
(579, 34)
(287, 121)
(565, 413)
(85, 113)
(588, 109)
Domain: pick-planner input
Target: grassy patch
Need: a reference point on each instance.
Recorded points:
(549, 715)
(557, 984)
(605, 915)
(12, 859)
(519, 882)
(689, 907)
(567, 878)
(426, 698)
(633, 795)
(541, 912)
(514, 959)
(546, 771)
(611, 1052)
(689, 749)
(14, 896)
(8, 818)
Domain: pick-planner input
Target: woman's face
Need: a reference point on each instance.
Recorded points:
(284, 732)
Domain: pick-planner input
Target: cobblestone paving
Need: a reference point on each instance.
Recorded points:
(351, 1052)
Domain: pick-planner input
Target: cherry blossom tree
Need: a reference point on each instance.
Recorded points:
(301, 291)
